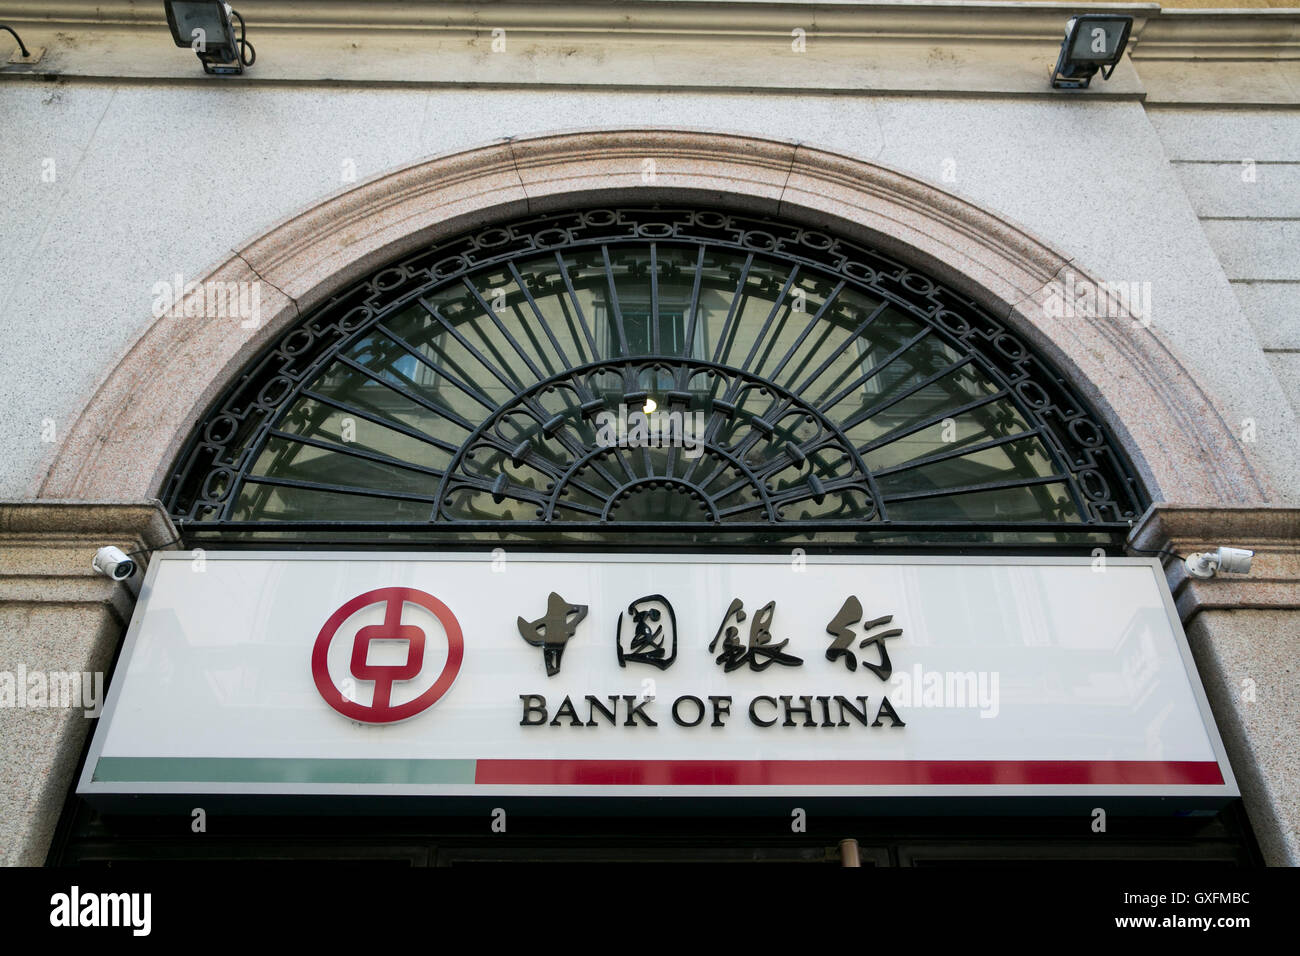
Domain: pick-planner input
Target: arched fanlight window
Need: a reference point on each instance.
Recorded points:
(617, 368)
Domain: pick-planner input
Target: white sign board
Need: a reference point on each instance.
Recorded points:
(593, 675)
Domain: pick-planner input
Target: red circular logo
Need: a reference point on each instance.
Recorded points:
(381, 710)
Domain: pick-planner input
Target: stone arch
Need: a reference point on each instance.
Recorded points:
(125, 440)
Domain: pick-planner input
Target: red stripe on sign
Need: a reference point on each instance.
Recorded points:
(831, 773)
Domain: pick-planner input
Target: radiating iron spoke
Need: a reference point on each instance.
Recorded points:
(888, 403)
(492, 316)
(890, 359)
(771, 316)
(436, 368)
(959, 452)
(541, 319)
(813, 323)
(577, 307)
(354, 452)
(890, 437)
(852, 339)
(614, 307)
(731, 312)
(973, 489)
(688, 348)
(380, 420)
(407, 394)
(387, 493)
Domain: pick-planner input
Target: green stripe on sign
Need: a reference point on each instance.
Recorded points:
(276, 770)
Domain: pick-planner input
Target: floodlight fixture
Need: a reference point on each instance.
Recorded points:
(1093, 41)
(205, 27)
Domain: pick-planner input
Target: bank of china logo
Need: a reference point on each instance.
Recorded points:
(403, 688)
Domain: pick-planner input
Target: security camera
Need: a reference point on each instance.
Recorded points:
(113, 563)
(1232, 560)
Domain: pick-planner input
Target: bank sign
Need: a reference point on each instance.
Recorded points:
(599, 675)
